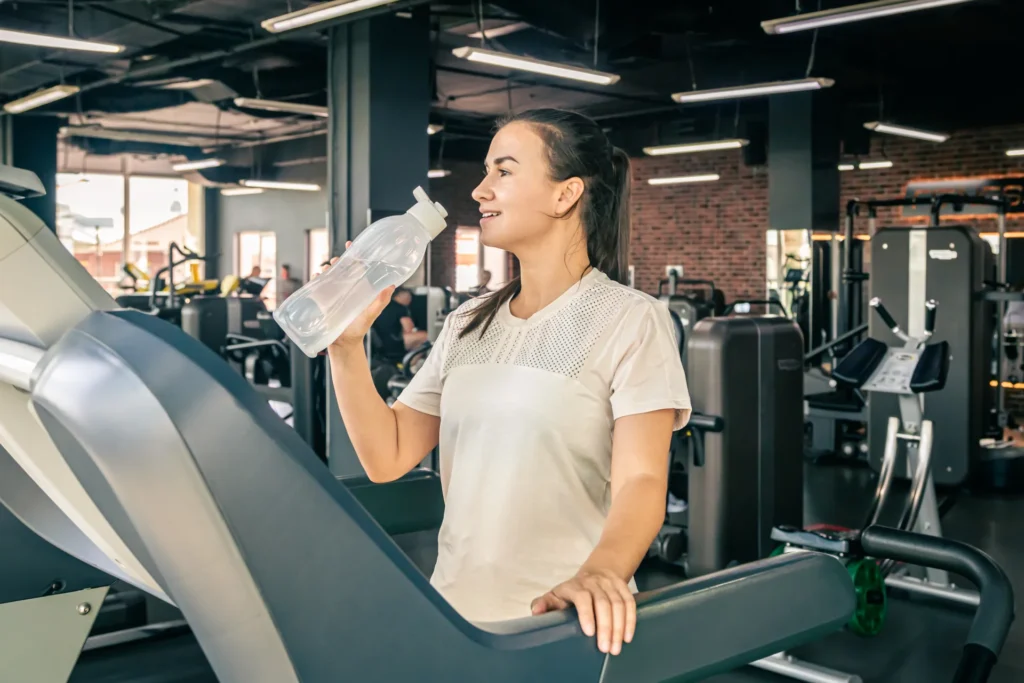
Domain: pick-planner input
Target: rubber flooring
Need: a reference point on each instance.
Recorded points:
(921, 641)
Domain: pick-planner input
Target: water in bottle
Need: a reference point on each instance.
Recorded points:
(387, 253)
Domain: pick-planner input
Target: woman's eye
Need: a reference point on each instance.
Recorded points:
(502, 172)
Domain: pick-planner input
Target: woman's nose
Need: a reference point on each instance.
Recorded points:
(482, 192)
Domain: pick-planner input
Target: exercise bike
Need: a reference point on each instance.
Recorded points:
(916, 368)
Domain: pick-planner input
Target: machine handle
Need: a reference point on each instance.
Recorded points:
(702, 423)
(706, 423)
(995, 611)
(930, 309)
(876, 304)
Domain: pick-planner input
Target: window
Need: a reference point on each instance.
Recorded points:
(158, 217)
(91, 216)
(467, 258)
(258, 250)
(472, 257)
(317, 250)
(90, 223)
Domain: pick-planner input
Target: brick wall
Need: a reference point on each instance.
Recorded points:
(717, 230)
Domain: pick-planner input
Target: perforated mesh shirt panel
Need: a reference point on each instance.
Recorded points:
(560, 343)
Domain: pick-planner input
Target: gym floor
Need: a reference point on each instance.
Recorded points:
(921, 641)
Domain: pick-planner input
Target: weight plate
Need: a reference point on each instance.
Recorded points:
(869, 586)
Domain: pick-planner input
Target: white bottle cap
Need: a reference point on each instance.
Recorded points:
(430, 214)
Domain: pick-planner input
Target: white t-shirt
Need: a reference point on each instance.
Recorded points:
(527, 413)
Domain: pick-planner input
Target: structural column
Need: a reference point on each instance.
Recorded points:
(30, 142)
(379, 96)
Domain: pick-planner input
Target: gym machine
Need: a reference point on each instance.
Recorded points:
(690, 301)
(753, 468)
(906, 373)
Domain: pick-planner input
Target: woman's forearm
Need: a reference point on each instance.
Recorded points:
(636, 515)
(370, 423)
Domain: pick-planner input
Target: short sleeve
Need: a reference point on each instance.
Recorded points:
(424, 390)
(649, 373)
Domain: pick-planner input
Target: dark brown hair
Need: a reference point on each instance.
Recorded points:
(578, 148)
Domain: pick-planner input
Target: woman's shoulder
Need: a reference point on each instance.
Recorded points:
(630, 302)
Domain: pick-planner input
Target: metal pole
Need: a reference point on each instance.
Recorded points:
(126, 243)
(1000, 324)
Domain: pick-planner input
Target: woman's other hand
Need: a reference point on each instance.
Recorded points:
(605, 606)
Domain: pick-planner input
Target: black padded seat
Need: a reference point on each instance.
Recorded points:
(283, 576)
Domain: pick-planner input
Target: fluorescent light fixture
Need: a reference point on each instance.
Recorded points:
(438, 173)
(869, 165)
(188, 85)
(1015, 152)
(499, 31)
(705, 178)
(324, 11)
(240, 191)
(846, 167)
(476, 54)
(57, 42)
(892, 129)
(277, 185)
(198, 165)
(434, 128)
(690, 148)
(755, 90)
(846, 15)
(279, 106)
(40, 98)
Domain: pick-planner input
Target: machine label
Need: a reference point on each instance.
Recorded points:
(942, 254)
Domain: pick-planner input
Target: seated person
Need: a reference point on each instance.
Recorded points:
(395, 328)
(481, 289)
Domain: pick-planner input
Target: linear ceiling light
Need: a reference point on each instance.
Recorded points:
(499, 31)
(870, 165)
(277, 185)
(57, 42)
(438, 173)
(690, 148)
(705, 178)
(40, 98)
(240, 191)
(193, 84)
(846, 167)
(1015, 152)
(903, 131)
(846, 15)
(434, 128)
(315, 14)
(774, 88)
(476, 54)
(198, 165)
(279, 106)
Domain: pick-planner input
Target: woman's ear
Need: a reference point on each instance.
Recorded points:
(569, 194)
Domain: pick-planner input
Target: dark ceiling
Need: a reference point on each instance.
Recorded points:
(944, 69)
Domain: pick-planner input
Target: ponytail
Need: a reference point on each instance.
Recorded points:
(578, 148)
(621, 216)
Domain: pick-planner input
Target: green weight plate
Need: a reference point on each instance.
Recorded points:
(869, 585)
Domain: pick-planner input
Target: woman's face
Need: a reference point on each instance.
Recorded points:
(519, 202)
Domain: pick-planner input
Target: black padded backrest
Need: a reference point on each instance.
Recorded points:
(932, 369)
(284, 577)
(856, 367)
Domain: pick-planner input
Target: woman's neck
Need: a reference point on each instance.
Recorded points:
(545, 275)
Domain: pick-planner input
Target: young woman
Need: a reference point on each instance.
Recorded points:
(553, 399)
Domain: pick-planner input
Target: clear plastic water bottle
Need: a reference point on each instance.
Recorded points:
(387, 253)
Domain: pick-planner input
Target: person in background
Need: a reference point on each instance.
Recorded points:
(286, 284)
(395, 327)
(481, 289)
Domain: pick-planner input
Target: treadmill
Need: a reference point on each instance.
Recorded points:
(170, 472)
